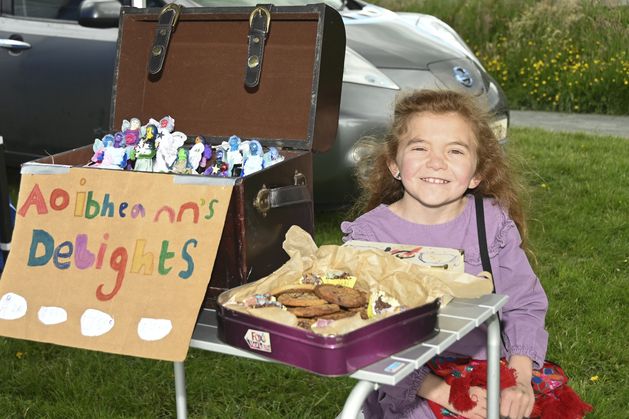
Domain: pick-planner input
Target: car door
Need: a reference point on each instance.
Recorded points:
(56, 77)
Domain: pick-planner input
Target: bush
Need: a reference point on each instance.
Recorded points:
(562, 55)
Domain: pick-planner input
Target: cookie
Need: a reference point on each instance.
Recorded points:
(314, 311)
(338, 315)
(292, 288)
(300, 299)
(343, 296)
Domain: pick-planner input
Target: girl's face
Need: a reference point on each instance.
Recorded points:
(436, 160)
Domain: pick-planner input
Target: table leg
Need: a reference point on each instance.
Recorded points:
(356, 399)
(180, 390)
(493, 367)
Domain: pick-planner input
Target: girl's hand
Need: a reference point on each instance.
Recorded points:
(517, 402)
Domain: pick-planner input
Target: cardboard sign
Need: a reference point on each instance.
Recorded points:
(112, 261)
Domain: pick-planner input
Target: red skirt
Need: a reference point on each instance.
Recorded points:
(554, 399)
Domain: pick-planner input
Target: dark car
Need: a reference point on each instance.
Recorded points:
(57, 61)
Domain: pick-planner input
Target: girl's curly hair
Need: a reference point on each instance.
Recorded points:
(378, 186)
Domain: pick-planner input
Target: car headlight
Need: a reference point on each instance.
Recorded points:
(359, 70)
(499, 127)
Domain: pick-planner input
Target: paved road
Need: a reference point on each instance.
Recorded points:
(572, 122)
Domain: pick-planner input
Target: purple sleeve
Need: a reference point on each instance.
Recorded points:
(524, 313)
(356, 230)
(397, 401)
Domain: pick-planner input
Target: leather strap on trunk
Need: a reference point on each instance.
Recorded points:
(289, 195)
(165, 26)
(283, 196)
(259, 25)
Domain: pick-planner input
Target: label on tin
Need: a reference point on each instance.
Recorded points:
(258, 340)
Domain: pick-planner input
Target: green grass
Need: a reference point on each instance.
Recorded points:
(579, 230)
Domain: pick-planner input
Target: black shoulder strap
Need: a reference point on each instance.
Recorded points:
(484, 253)
(482, 236)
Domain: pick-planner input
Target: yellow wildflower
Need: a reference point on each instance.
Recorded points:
(19, 355)
(594, 378)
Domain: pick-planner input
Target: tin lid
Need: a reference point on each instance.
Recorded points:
(202, 83)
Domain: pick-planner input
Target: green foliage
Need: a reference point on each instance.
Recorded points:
(558, 55)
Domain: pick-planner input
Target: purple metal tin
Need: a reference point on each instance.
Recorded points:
(327, 355)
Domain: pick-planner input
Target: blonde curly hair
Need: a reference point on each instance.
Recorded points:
(498, 181)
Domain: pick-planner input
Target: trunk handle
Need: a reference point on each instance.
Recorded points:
(283, 196)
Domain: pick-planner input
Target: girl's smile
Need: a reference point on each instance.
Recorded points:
(436, 163)
(434, 180)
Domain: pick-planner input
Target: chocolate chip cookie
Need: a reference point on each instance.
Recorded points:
(300, 299)
(340, 295)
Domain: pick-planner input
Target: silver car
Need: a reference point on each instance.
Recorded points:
(57, 62)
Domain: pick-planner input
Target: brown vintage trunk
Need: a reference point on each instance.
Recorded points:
(294, 107)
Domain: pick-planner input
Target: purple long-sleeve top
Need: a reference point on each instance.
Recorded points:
(522, 316)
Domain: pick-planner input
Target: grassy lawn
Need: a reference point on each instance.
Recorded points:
(579, 229)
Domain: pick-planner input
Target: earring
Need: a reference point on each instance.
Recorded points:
(398, 176)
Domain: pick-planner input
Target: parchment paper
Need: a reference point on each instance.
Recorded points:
(412, 285)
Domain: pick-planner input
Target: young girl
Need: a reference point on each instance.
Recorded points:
(417, 189)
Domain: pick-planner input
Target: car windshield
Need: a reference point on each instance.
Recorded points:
(337, 4)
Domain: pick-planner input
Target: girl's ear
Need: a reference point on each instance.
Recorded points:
(393, 168)
(474, 182)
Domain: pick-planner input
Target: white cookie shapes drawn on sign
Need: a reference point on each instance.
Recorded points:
(12, 306)
(95, 323)
(154, 329)
(52, 315)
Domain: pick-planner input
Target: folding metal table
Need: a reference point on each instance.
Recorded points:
(455, 320)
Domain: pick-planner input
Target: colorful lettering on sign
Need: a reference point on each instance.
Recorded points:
(90, 205)
(76, 253)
